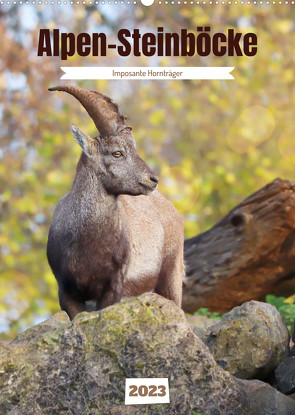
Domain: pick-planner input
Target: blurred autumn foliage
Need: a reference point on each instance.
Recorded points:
(211, 142)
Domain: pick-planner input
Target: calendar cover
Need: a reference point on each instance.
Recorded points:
(147, 207)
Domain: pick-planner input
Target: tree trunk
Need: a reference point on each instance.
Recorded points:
(246, 254)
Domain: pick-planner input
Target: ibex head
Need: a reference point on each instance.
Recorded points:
(112, 155)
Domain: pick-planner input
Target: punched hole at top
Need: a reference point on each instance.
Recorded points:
(147, 2)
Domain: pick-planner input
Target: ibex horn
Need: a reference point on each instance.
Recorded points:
(103, 111)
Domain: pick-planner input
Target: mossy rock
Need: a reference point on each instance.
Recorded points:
(80, 367)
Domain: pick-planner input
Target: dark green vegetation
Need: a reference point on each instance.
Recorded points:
(286, 306)
(203, 311)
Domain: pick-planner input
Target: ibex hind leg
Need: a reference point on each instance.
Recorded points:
(170, 279)
(71, 306)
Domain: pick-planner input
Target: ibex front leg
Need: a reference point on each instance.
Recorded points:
(71, 306)
(112, 293)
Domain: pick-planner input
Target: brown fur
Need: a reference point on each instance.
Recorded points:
(114, 235)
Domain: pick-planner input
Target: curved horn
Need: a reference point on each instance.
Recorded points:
(103, 111)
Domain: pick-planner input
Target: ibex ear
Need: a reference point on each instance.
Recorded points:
(83, 139)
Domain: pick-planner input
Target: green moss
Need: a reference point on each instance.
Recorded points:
(50, 341)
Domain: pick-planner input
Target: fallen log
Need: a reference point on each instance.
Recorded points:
(247, 254)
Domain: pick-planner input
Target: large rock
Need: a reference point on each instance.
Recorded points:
(285, 375)
(266, 400)
(62, 367)
(250, 341)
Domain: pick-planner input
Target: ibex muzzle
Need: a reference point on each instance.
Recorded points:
(113, 235)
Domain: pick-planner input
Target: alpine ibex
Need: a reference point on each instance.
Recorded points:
(113, 235)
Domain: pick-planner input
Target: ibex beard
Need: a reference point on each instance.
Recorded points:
(113, 234)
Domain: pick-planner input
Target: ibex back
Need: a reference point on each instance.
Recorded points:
(113, 234)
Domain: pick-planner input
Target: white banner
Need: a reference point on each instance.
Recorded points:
(158, 73)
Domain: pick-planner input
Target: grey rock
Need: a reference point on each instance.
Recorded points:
(285, 375)
(250, 341)
(80, 367)
(201, 333)
(200, 325)
(202, 322)
(57, 321)
(265, 400)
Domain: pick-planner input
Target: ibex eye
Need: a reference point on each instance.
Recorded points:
(117, 154)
